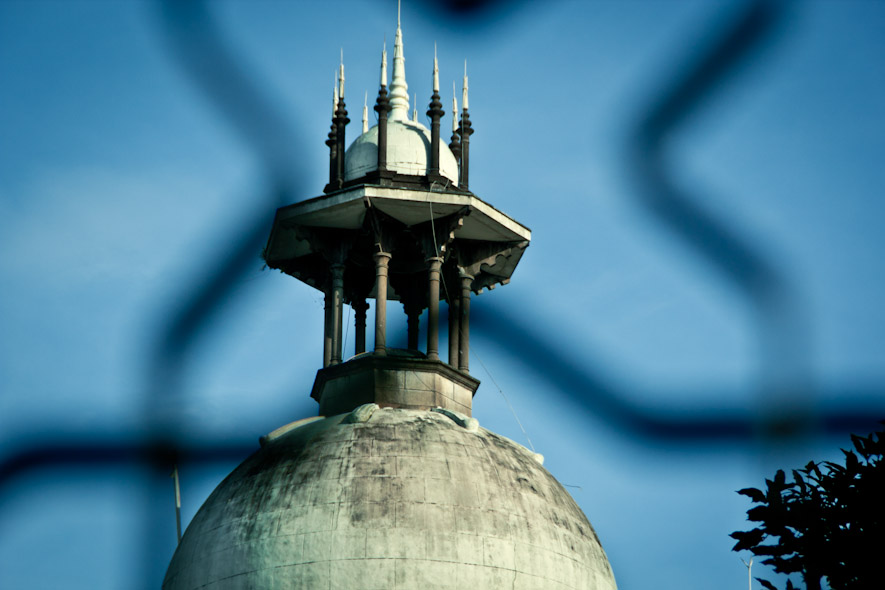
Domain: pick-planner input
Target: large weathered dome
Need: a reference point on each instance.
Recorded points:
(389, 498)
(408, 152)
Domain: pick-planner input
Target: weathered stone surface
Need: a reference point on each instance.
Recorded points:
(393, 381)
(403, 499)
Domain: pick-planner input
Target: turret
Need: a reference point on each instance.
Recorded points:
(397, 224)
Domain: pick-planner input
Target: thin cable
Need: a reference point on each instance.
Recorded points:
(501, 391)
(433, 229)
(442, 278)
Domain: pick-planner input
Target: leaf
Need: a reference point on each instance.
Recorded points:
(859, 444)
(758, 514)
(851, 462)
(754, 494)
(747, 540)
(766, 583)
(789, 565)
(773, 550)
(798, 479)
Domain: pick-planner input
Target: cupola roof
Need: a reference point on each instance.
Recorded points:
(408, 152)
(408, 141)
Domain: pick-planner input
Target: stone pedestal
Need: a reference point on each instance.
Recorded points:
(397, 381)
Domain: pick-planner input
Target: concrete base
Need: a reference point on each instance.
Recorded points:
(395, 381)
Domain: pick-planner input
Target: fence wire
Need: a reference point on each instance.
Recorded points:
(739, 40)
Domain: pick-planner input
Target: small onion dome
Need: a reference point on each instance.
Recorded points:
(408, 152)
(389, 499)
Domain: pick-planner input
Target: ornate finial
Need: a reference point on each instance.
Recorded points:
(384, 64)
(454, 109)
(455, 141)
(435, 112)
(382, 107)
(399, 96)
(340, 121)
(341, 76)
(366, 112)
(465, 130)
(332, 142)
(464, 91)
(435, 70)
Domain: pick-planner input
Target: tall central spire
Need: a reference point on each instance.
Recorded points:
(399, 95)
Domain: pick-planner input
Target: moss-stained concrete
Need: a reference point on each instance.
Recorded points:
(388, 499)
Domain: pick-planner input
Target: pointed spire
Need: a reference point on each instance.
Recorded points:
(465, 130)
(341, 76)
(366, 113)
(454, 109)
(399, 96)
(464, 90)
(435, 70)
(455, 141)
(332, 142)
(415, 108)
(384, 65)
(382, 107)
(436, 112)
(340, 121)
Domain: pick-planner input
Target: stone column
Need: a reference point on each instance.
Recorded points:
(359, 324)
(337, 308)
(413, 316)
(464, 327)
(433, 307)
(327, 328)
(382, 260)
(454, 323)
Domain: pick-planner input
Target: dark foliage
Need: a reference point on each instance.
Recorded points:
(828, 522)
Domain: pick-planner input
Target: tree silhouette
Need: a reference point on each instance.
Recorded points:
(827, 523)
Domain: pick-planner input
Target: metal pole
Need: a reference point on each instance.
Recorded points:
(177, 502)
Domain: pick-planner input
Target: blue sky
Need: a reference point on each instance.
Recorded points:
(120, 184)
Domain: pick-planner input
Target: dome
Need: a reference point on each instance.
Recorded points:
(387, 499)
(408, 152)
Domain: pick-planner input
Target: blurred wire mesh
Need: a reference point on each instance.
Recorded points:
(741, 37)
